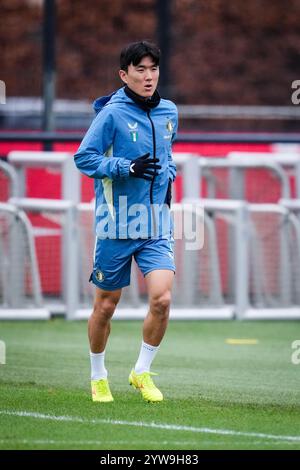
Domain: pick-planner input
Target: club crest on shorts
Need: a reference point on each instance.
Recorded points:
(99, 275)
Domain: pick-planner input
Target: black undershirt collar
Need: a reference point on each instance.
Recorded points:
(145, 103)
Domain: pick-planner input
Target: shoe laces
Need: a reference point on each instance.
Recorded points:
(146, 379)
(103, 386)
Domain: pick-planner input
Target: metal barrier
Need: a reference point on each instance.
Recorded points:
(8, 180)
(34, 159)
(248, 268)
(289, 162)
(232, 177)
(188, 168)
(271, 273)
(56, 220)
(20, 288)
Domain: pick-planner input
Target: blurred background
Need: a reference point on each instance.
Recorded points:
(214, 53)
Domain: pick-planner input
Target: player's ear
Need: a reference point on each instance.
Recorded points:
(123, 76)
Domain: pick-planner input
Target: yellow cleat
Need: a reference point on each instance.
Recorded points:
(101, 391)
(145, 384)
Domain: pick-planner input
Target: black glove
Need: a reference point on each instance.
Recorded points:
(144, 167)
(169, 194)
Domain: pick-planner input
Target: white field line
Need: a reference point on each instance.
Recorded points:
(83, 442)
(169, 427)
(90, 442)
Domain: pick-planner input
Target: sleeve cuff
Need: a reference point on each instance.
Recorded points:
(124, 168)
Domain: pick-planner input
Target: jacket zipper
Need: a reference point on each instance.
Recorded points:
(154, 155)
(152, 182)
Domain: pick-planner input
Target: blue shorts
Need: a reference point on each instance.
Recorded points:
(112, 260)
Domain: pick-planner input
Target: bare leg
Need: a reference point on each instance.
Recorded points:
(159, 284)
(99, 322)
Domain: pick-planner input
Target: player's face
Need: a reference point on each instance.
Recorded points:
(142, 78)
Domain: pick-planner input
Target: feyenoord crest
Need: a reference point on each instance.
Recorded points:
(133, 129)
(170, 126)
(99, 275)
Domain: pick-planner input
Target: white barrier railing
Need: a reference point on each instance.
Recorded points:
(233, 275)
(67, 232)
(21, 160)
(20, 288)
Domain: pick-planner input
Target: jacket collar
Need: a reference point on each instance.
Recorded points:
(145, 103)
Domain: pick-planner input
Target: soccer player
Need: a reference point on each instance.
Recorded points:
(127, 150)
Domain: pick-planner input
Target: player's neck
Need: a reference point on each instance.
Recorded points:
(144, 103)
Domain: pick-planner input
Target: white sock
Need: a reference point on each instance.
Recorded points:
(147, 354)
(98, 370)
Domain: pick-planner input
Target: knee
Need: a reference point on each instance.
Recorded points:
(160, 304)
(104, 309)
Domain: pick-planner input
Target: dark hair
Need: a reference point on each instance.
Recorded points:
(136, 51)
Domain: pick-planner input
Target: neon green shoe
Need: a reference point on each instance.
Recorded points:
(145, 384)
(101, 391)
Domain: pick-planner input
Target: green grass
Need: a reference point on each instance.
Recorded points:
(206, 383)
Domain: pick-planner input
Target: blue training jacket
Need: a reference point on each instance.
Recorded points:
(121, 132)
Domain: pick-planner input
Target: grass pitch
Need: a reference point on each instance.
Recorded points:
(218, 395)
